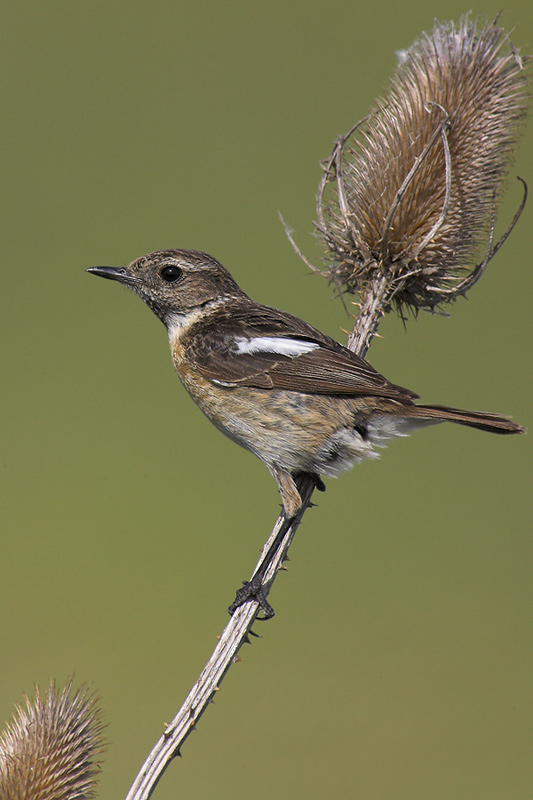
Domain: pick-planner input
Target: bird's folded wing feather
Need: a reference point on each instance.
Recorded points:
(273, 350)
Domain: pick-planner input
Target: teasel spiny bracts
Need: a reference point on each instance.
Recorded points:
(406, 205)
(49, 750)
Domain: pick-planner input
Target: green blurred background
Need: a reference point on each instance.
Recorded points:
(399, 664)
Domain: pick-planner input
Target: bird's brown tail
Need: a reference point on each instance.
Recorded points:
(474, 419)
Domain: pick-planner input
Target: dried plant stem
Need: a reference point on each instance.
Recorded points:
(371, 312)
(235, 634)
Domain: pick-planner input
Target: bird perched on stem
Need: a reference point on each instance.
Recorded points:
(297, 399)
(405, 201)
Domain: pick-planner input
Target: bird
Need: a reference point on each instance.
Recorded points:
(296, 398)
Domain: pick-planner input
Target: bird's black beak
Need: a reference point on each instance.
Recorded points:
(113, 274)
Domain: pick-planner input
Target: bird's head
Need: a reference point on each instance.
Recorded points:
(174, 283)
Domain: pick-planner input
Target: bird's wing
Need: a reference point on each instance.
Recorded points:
(265, 348)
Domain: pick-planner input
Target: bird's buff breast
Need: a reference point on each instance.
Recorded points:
(300, 432)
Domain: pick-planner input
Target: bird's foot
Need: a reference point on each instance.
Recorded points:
(253, 590)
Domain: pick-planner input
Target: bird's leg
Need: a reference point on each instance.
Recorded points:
(320, 486)
(254, 588)
(292, 505)
(292, 502)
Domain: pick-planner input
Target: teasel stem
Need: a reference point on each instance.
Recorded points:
(371, 312)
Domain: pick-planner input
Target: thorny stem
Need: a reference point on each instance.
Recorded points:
(235, 634)
(374, 305)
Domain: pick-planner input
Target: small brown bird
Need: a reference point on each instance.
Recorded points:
(296, 398)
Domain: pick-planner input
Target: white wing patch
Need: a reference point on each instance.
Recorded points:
(274, 344)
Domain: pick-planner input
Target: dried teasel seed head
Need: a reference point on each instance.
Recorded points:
(407, 201)
(49, 750)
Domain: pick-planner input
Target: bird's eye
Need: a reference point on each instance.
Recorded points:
(171, 274)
